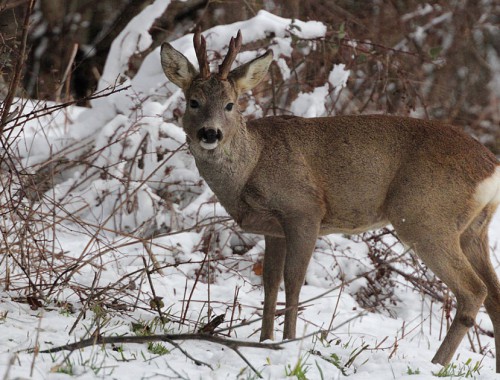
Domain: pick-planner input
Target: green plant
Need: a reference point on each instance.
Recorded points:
(121, 353)
(245, 374)
(299, 370)
(335, 360)
(410, 371)
(319, 370)
(355, 353)
(65, 308)
(66, 368)
(141, 328)
(435, 51)
(65, 312)
(157, 348)
(153, 326)
(459, 370)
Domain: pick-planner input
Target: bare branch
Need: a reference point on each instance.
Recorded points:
(169, 338)
(162, 338)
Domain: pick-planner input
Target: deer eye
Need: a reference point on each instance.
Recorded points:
(194, 103)
(229, 106)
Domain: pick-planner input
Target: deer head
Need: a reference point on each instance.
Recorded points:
(212, 116)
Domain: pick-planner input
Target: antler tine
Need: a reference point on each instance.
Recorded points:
(234, 48)
(200, 47)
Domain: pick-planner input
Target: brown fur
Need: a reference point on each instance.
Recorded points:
(293, 179)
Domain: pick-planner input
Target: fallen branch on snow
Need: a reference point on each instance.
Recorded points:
(235, 345)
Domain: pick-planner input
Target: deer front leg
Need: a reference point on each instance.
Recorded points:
(274, 260)
(300, 235)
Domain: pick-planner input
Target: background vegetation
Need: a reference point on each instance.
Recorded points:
(439, 57)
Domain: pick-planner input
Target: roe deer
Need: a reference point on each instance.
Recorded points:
(292, 179)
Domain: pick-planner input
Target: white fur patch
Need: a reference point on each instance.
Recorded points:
(488, 191)
(208, 146)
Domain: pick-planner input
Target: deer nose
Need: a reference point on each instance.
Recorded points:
(209, 135)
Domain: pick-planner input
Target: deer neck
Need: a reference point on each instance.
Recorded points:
(227, 168)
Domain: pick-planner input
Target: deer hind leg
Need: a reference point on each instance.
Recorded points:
(274, 261)
(442, 253)
(474, 243)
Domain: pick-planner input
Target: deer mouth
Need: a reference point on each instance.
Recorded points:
(209, 138)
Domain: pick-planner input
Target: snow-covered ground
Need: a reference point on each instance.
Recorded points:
(129, 176)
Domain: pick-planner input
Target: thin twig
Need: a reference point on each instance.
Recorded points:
(186, 354)
(246, 361)
(66, 72)
(198, 274)
(334, 314)
(12, 360)
(152, 256)
(37, 345)
(155, 301)
(87, 303)
(235, 302)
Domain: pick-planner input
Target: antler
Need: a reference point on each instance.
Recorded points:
(200, 47)
(234, 48)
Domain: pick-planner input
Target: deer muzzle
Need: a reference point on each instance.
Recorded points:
(209, 138)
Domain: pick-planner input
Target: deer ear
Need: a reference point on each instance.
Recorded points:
(176, 67)
(250, 74)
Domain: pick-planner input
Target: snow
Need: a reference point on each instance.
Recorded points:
(111, 203)
(338, 77)
(134, 38)
(310, 104)
(314, 104)
(421, 10)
